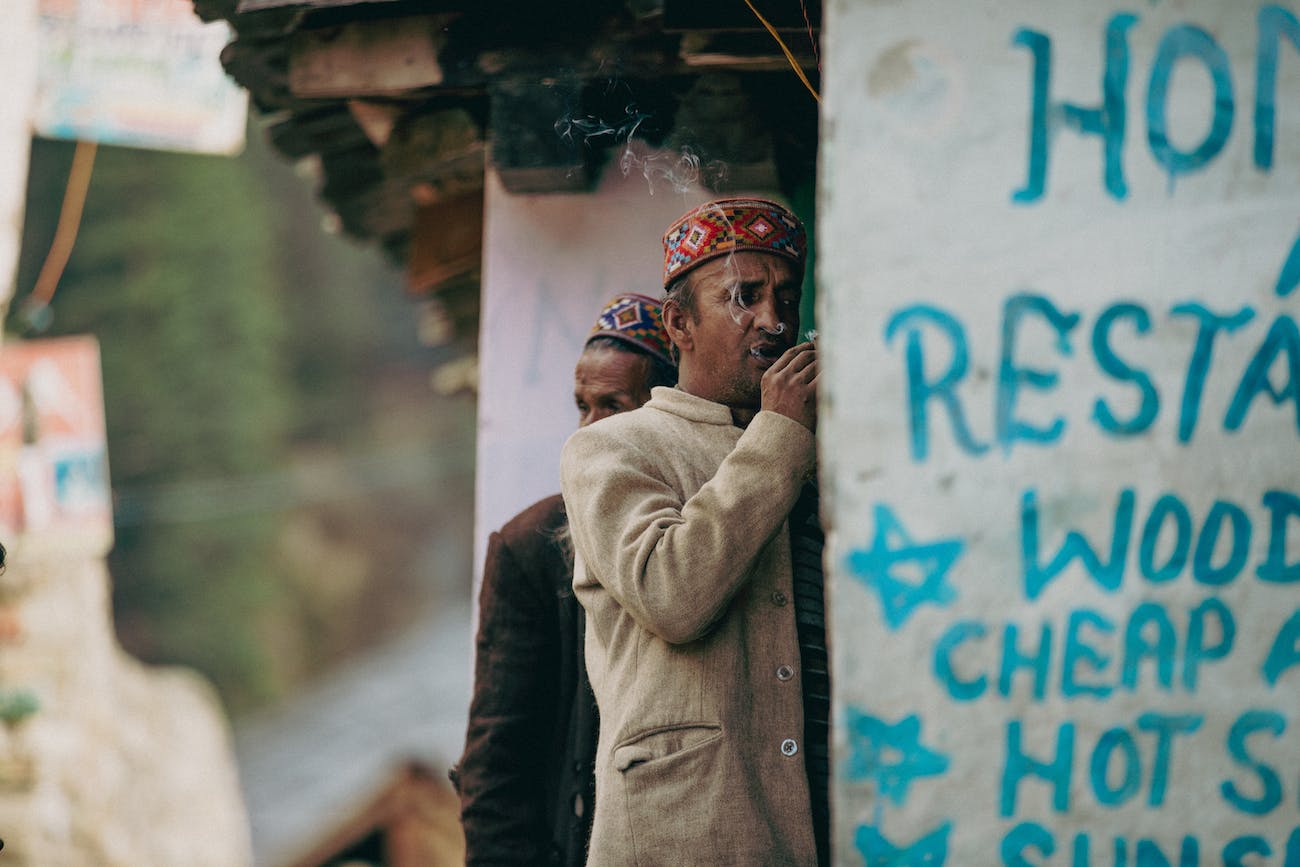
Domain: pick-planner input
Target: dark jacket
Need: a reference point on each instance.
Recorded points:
(526, 779)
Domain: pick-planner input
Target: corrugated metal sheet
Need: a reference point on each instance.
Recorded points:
(312, 765)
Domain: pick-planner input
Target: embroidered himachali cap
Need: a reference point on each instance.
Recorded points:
(731, 225)
(637, 320)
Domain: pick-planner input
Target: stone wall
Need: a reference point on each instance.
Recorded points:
(103, 761)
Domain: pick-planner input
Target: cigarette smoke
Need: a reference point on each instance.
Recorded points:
(680, 170)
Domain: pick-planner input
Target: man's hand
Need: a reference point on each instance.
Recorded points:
(790, 385)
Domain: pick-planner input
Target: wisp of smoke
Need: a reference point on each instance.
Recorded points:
(594, 131)
(679, 172)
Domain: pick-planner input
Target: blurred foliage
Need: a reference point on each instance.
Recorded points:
(233, 330)
(17, 705)
(174, 272)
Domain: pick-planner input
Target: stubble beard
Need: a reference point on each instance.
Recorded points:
(744, 390)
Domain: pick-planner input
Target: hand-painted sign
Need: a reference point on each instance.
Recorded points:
(1060, 249)
(54, 486)
(143, 73)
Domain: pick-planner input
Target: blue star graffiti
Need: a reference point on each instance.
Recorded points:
(929, 851)
(884, 568)
(890, 755)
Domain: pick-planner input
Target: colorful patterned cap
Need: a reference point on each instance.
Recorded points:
(637, 320)
(728, 225)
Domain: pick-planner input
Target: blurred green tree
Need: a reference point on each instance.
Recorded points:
(174, 270)
(287, 490)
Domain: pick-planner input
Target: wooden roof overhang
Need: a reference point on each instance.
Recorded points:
(398, 105)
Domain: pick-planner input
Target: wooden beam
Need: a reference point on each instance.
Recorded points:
(447, 242)
(527, 146)
(375, 118)
(804, 15)
(384, 57)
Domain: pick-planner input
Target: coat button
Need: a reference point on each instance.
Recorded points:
(784, 672)
(779, 598)
(789, 747)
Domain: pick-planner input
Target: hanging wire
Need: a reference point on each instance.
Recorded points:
(812, 40)
(65, 235)
(789, 55)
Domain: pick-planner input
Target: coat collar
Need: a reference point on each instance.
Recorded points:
(689, 406)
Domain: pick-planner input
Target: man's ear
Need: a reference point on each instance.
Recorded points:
(678, 325)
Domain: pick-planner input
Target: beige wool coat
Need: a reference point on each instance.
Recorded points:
(678, 520)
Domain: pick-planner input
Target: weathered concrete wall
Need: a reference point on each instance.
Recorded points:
(18, 68)
(120, 764)
(1057, 283)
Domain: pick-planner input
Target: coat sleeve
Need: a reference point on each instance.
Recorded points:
(502, 773)
(674, 565)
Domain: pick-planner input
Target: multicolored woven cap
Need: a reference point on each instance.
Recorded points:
(731, 225)
(636, 320)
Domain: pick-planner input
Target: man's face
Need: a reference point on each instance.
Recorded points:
(746, 314)
(609, 381)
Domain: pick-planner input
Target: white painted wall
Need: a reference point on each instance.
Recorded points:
(18, 71)
(926, 139)
(550, 264)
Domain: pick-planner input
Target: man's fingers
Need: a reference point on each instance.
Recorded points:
(787, 358)
(800, 371)
(789, 355)
(806, 372)
(801, 362)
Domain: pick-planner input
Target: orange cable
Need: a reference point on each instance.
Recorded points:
(794, 64)
(812, 40)
(65, 235)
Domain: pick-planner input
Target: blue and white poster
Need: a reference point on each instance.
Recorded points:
(1059, 279)
(139, 73)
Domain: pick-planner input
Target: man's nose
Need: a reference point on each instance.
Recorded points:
(766, 316)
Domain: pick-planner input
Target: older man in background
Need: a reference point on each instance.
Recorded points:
(525, 779)
(698, 549)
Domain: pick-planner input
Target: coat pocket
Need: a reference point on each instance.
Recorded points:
(668, 776)
(663, 743)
